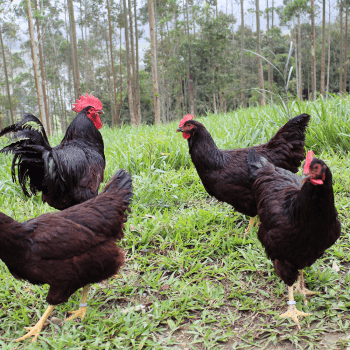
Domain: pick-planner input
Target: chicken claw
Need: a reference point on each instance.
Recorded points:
(78, 313)
(82, 306)
(292, 311)
(300, 288)
(35, 331)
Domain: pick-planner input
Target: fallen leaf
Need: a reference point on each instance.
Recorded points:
(335, 267)
(133, 228)
(57, 321)
(134, 308)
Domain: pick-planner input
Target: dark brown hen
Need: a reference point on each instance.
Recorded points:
(298, 220)
(224, 173)
(69, 249)
(69, 173)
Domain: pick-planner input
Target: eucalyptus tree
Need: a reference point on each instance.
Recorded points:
(73, 38)
(290, 10)
(260, 67)
(39, 89)
(6, 73)
(154, 61)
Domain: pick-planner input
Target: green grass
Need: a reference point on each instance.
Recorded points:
(202, 283)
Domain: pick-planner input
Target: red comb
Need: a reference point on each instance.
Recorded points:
(309, 158)
(87, 101)
(185, 119)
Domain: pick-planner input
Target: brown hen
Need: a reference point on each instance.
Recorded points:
(224, 173)
(69, 249)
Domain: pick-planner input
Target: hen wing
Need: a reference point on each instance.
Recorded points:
(51, 237)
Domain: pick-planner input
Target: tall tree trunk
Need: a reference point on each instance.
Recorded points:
(86, 57)
(308, 79)
(154, 63)
(190, 81)
(272, 42)
(313, 50)
(323, 58)
(115, 119)
(299, 61)
(213, 82)
(127, 47)
(345, 65)
(73, 38)
(329, 44)
(133, 63)
(268, 45)
(157, 54)
(260, 67)
(137, 88)
(120, 72)
(6, 76)
(243, 103)
(69, 55)
(272, 12)
(43, 83)
(163, 87)
(295, 43)
(38, 84)
(341, 48)
(109, 84)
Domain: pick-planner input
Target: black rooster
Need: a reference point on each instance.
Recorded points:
(69, 173)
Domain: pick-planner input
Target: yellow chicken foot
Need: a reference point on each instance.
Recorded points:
(292, 311)
(34, 331)
(300, 287)
(82, 306)
(251, 223)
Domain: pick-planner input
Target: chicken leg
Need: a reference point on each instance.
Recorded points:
(300, 287)
(251, 224)
(34, 331)
(292, 311)
(82, 306)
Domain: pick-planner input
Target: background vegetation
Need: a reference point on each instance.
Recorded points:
(203, 55)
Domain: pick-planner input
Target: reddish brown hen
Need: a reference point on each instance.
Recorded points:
(298, 218)
(69, 173)
(224, 173)
(69, 249)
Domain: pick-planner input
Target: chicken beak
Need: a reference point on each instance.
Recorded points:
(101, 112)
(305, 178)
(179, 130)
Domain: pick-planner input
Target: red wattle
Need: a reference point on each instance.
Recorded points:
(317, 181)
(95, 118)
(185, 135)
(98, 122)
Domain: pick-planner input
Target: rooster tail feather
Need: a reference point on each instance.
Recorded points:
(29, 131)
(120, 180)
(8, 129)
(29, 146)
